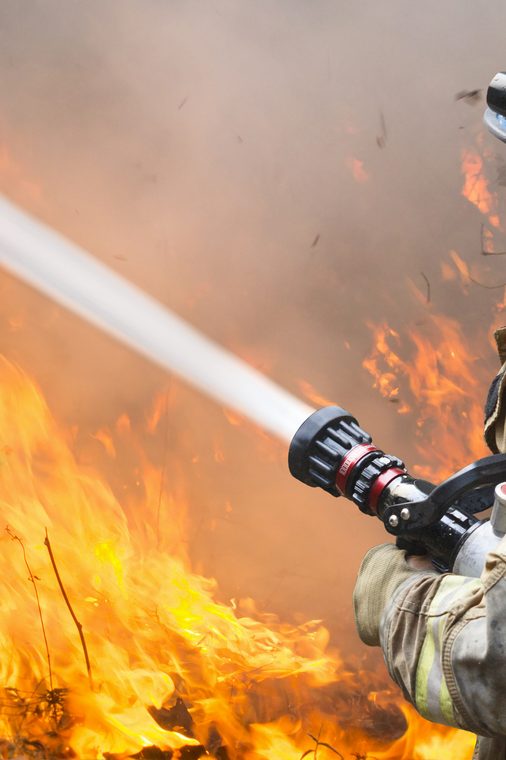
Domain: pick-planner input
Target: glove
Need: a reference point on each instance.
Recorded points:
(383, 570)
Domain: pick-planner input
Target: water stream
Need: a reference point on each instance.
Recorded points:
(70, 276)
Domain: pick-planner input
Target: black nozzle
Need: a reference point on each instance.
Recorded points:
(320, 445)
(330, 450)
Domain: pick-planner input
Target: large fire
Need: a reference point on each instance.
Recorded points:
(439, 380)
(112, 646)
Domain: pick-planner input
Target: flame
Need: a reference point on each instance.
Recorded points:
(267, 448)
(105, 438)
(440, 379)
(160, 408)
(476, 187)
(157, 640)
(462, 270)
(313, 395)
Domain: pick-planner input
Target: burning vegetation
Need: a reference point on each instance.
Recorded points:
(113, 648)
(432, 369)
(431, 372)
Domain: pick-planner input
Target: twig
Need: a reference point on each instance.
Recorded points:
(32, 578)
(319, 743)
(470, 96)
(72, 613)
(427, 281)
(488, 287)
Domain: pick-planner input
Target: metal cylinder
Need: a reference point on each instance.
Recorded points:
(471, 556)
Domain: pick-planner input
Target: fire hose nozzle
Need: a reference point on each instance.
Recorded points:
(330, 450)
(320, 445)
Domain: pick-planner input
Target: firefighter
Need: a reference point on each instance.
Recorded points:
(443, 636)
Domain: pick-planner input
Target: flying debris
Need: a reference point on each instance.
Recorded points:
(427, 282)
(472, 97)
(381, 138)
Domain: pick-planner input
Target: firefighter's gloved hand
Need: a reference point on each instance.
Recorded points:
(383, 570)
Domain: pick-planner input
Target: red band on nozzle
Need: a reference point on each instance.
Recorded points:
(379, 485)
(355, 455)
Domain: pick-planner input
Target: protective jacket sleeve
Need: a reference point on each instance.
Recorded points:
(383, 570)
(443, 639)
(444, 636)
(444, 642)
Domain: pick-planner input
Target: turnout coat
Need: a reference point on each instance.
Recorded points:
(443, 636)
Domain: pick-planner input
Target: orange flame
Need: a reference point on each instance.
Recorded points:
(313, 395)
(152, 627)
(476, 188)
(440, 380)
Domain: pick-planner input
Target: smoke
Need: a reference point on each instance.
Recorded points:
(274, 172)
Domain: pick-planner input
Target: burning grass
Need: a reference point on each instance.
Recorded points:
(175, 673)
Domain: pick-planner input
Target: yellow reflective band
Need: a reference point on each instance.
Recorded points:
(432, 697)
(445, 701)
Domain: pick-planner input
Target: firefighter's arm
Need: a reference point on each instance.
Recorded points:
(384, 569)
(443, 637)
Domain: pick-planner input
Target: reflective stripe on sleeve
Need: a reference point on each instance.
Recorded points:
(432, 698)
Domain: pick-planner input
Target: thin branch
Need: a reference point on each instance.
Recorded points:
(332, 749)
(32, 578)
(319, 743)
(72, 613)
(488, 287)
